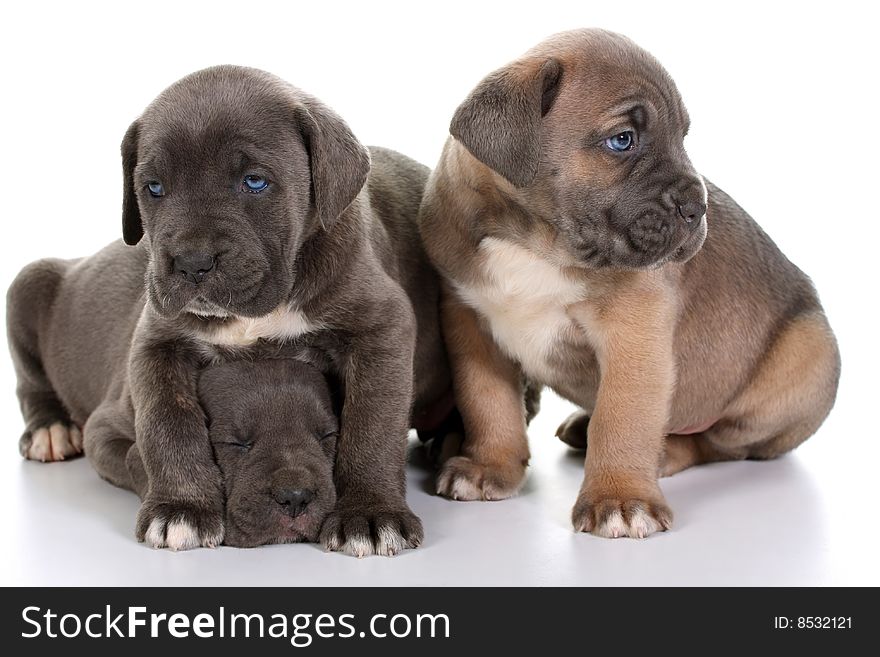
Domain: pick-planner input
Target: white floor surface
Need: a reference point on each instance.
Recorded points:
(797, 521)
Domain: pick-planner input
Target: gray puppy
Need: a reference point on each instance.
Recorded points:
(272, 424)
(258, 229)
(273, 429)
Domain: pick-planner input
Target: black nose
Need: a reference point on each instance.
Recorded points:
(294, 500)
(194, 266)
(691, 210)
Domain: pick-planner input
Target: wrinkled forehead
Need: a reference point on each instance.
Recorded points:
(214, 117)
(296, 423)
(252, 396)
(294, 410)
(608, 80)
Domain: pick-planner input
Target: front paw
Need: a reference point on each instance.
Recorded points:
(615, 516)
(179, 525)
(361, 530)
(463, 478)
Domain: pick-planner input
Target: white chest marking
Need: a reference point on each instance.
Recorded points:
(281, 324)
(524, 298)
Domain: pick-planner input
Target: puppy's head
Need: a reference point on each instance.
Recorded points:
(273, 430)
(226, 174)
(587, 129)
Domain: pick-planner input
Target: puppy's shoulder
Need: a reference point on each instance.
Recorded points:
(735, 236)
(739, 258)
(387, 164)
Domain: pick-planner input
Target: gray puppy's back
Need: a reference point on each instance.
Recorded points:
(87, 310)
(395, 188)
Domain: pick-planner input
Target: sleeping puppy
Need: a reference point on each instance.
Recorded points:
(260, 223)
(273, 430)
(581, 248)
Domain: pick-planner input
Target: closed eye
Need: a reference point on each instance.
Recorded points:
(237, 444)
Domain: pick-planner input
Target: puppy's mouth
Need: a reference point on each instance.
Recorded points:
(301, 529)
(647, 241)
(273, 527)
(207, 309)
(214, 298)
(653, 240)
(693, 243)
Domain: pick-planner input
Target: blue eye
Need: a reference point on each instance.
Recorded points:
(255, 183)
(156, 189)
(625, 141)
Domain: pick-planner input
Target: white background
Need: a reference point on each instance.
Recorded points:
(783, 101)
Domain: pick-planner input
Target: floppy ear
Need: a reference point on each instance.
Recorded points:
(500, 121)
(132, 228)
(339, 162)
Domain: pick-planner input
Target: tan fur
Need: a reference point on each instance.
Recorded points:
(625, 436)
(712, 348)
(771, 407)
(788, 396)
(489, 392)
(682, 452)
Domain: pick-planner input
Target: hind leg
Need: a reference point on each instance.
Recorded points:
(446, 440)
(110, 447)
(680, 452)
(787, 400)
(573, 430)
(532, 399)
(683, 452)
(50, 434)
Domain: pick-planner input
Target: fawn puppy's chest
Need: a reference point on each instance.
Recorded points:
(524, 300)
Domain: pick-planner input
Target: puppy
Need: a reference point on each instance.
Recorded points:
(260, 226)
(580, 247)
(271, 423)
(273, 430)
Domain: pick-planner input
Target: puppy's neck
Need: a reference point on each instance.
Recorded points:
(284, 323)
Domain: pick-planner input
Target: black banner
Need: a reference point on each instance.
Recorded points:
(434, 621)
